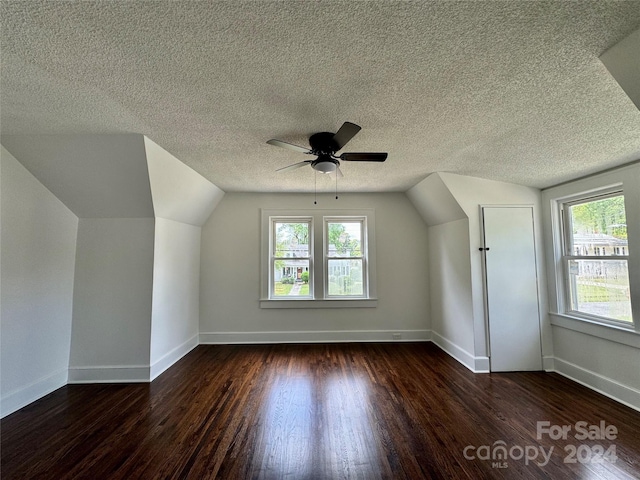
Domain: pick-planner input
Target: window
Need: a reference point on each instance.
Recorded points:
(596, 267)
(291, 257)
(317, 259)
(345, 262)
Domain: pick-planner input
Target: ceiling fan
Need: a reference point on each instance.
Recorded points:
(324, 145)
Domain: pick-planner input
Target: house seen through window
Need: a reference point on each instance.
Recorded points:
(345, 260)
(291, 258)
(337, 269)
(596, 262)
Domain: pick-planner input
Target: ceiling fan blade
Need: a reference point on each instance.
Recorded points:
(364, 157)
(290, 146)
(294, 166)
(347, 131)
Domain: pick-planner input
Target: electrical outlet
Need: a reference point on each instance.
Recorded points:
(397, 336)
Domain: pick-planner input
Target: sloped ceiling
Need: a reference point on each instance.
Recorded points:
(116, 176)
(179, 193)
(623, 62)
(435, 202)
(510, 91)
(95, 176)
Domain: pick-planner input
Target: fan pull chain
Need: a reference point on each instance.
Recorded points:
(315, 187)
(336, 183)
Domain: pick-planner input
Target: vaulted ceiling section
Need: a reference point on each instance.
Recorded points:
(510, 91)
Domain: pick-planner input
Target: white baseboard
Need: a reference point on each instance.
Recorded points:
(15, 400)
(110, 374)
(172, 357)
(473, 363)
(337, 336)
(548, 364)
(608, 387)
(481, 365)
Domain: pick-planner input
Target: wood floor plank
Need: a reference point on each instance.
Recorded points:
(353, 411)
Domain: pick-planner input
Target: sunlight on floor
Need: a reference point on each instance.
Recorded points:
(303, 429)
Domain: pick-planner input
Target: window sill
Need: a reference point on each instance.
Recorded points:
(321, 303)
(619, 334)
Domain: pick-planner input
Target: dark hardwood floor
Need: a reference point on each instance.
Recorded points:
(367, 411)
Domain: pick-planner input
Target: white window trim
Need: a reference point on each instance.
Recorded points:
(561, 240)
(318, 288)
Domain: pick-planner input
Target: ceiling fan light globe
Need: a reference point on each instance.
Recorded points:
(325, 167)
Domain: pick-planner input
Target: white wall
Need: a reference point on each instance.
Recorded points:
(449, 268)
(176, 282)
(182, 202)
(112, 300)
(472, 193)
(607, 366)
(450, 281)
(230, 275)
(114, 284)
(451, 206)
(604, 358)
(37, 257)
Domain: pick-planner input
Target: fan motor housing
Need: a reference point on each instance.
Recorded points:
(322, 142)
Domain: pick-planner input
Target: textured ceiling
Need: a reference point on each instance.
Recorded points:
(510, 91)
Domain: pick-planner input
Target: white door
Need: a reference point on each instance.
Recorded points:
(512, 289)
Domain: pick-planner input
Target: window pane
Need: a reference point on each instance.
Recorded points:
(599, 228)
(290, 278)
(345, 239)
(345, 277)
(292, 240)
(600, 287)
